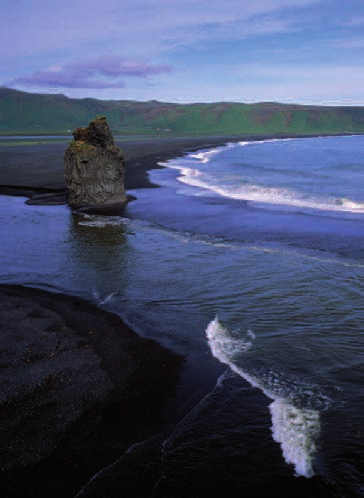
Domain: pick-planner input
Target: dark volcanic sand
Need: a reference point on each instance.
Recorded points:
(78, 387)
(36, 171)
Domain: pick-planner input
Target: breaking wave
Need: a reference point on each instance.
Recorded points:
(211, 172)
(267, 195)
(295, 410)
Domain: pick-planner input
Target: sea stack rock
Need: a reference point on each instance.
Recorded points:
(94, 169)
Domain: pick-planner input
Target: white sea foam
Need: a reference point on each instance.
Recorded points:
(106, 299)
(296, 430)
(250, 334)
(250, 190)
(101, 222)
(268, 140)
(294, 427)
(268, 195)
(188, 173)
(205, 156)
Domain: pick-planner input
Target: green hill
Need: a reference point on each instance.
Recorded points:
(27, 113)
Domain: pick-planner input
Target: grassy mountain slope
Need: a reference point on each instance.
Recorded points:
(22, 112)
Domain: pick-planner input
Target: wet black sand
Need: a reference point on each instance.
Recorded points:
(78, 387)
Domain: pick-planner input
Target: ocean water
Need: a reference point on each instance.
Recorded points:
(248, 260)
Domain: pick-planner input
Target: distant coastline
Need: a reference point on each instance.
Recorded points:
(35, 170)
(26, 113)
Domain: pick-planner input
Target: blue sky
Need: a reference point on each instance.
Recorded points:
(304, 51)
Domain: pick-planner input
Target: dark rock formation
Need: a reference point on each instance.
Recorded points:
(94, 168)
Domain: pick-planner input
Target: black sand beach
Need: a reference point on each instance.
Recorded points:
(36, 170)
(78, 386)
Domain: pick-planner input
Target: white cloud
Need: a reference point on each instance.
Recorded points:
(97, 73)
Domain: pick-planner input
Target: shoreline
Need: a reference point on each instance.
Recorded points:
(73, 403)
(72, 400)
(36, 171)
(78, 389)
(86, 394)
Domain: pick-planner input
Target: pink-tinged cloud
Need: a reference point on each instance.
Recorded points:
(102, 72)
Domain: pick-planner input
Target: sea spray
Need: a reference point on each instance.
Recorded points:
(205, 156)
(295, 428)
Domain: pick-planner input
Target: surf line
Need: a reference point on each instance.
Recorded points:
(295, 429)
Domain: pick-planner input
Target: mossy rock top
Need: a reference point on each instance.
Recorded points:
(97, 133)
